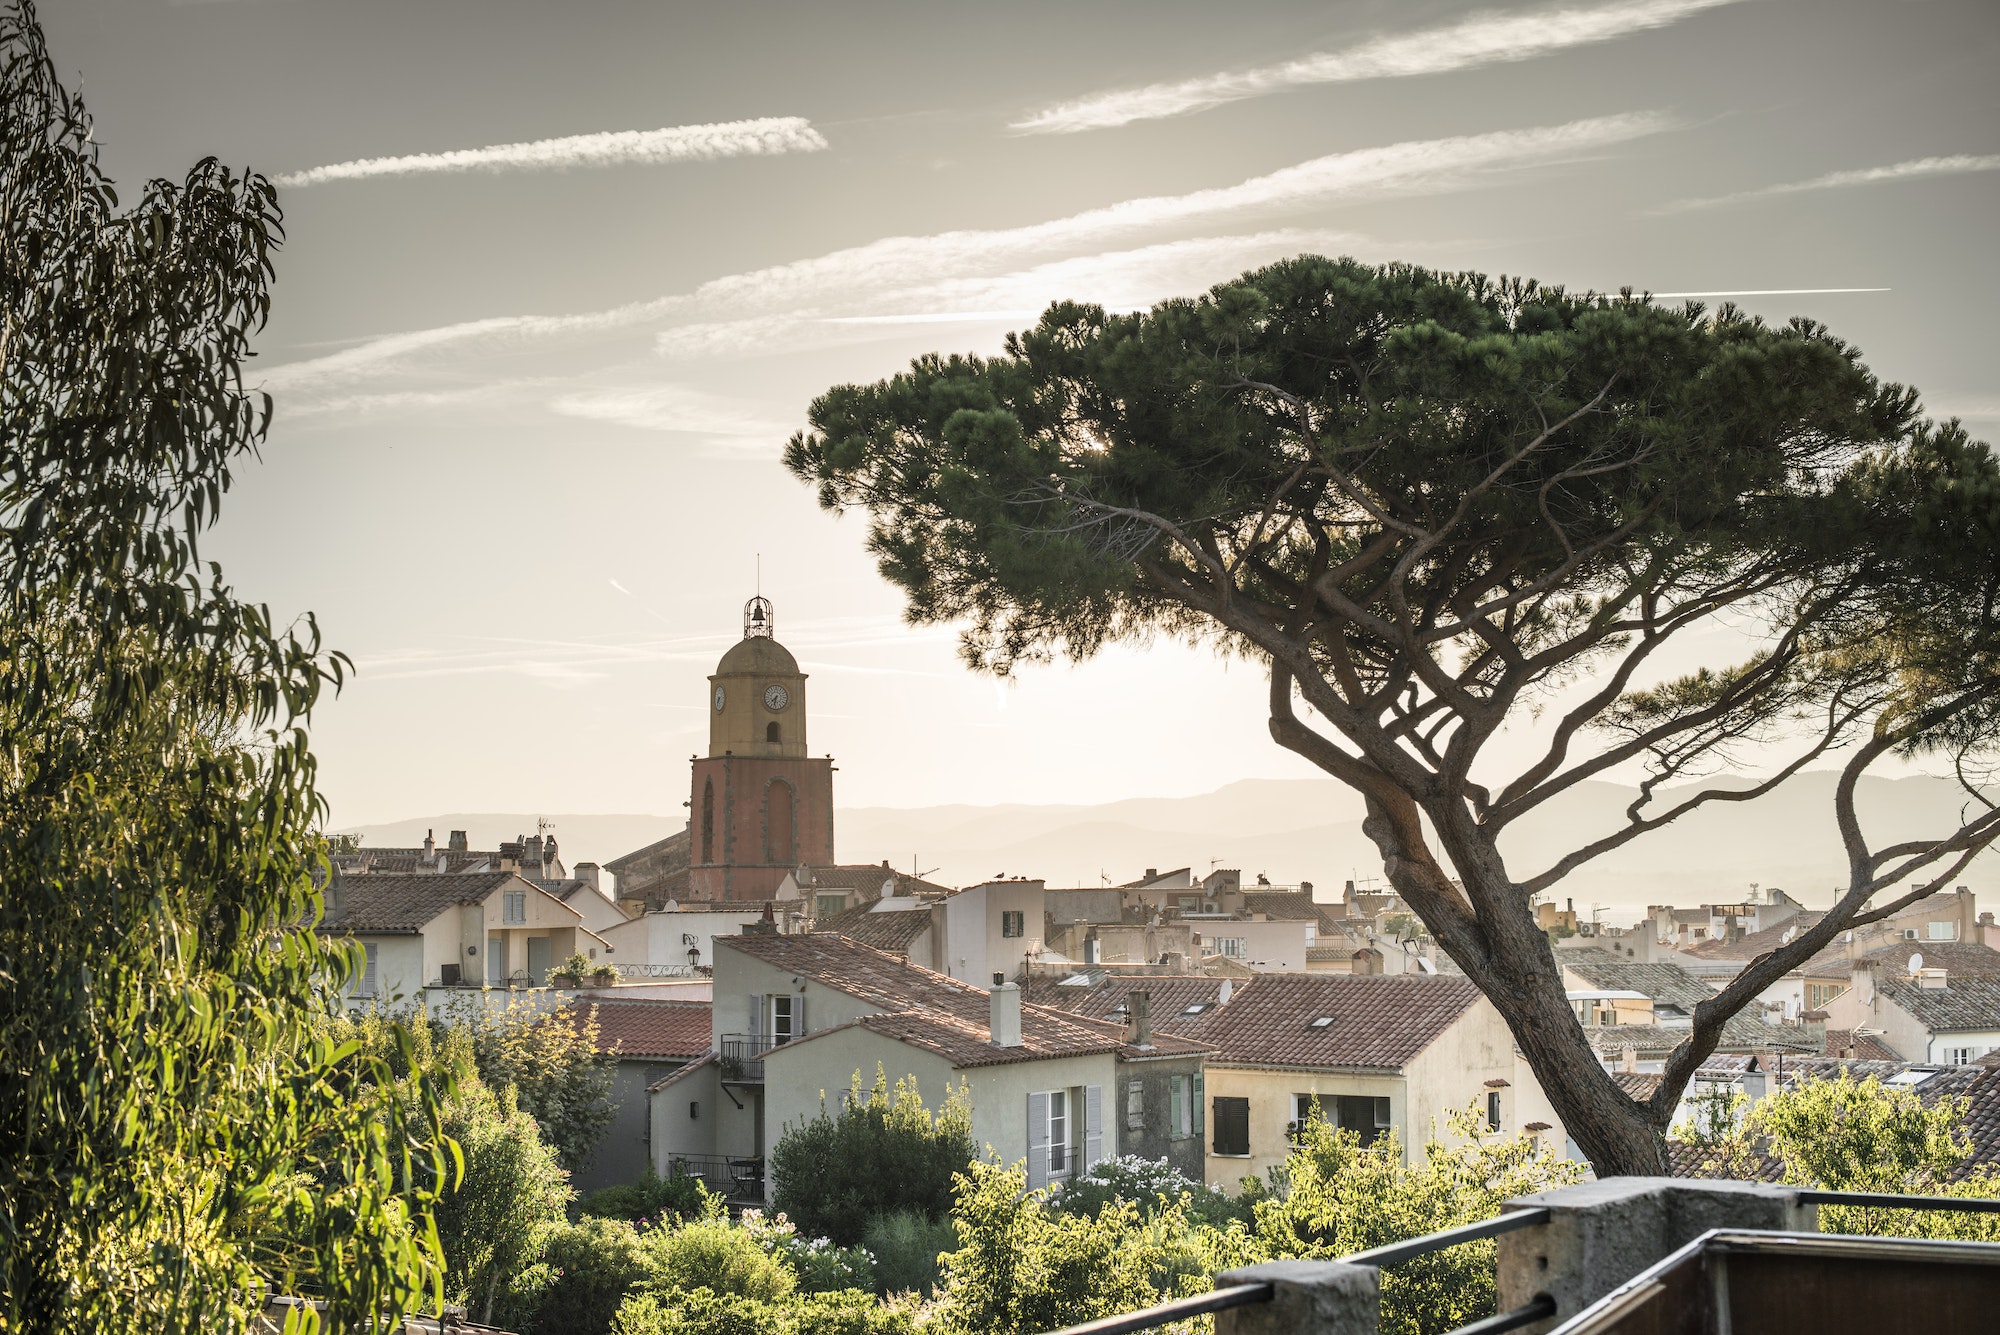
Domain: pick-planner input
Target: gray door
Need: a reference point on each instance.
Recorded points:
(496, 958)
(538, 961)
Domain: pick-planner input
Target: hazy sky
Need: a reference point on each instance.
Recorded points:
(561, 278)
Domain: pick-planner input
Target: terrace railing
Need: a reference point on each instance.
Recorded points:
(1628, 1222)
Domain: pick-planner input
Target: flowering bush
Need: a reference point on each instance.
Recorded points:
(1147, 1184)
(819, 1266)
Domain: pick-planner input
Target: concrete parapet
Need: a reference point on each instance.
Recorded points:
(1600, 1234)
(1311, 1298)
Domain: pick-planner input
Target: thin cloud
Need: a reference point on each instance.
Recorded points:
(675, 408)
(1478, 39)
(677, 143)
(802, 289)
(1768, 292)
(1957, 164)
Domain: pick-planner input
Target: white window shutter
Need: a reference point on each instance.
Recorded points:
(368, 973)
(799, 1015)
(1038, 1141)
(1135, 1105)
(1093, 1125)
(756, 1013)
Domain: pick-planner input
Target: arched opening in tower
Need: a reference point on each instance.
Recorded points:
(708, 821)
(772, 733)
(778, 841)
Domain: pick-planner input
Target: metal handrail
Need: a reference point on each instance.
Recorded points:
(1236, 1295)
(1397, 1252)
(1889, 1200)
(1541, 1308)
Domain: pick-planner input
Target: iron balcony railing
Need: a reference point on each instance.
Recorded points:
(1543, 1307)
(742, 1055)
(739, 1181)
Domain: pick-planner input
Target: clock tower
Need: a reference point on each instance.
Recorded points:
(761, 806)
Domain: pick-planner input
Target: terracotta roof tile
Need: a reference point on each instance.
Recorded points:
(648, 1028)
(1637, 1084)
(395, 903)
(892, 929)
(1377, 1021)
(1749, 947)
(869, 878)
(1962, 1004)
(1959, 959)
(1103, 997)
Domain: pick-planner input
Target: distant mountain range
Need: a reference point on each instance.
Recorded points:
(1293, 830)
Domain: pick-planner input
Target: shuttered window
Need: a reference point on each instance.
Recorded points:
(1093, 1126)
(1232, 1126)
(1038, 1141)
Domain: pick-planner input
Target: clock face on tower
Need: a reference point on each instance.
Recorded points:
(776, 698)
(719, 699)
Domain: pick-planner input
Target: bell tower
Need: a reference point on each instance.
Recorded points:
(761, 805)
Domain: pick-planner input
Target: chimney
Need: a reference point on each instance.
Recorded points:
(1152, 873)
(1814, 1023)
(430, 846)
(1932, 980)
(334, 910)
(1139, 1020)
(587, 873)
(458, 842)
(1863, 976)
(1628, 1059)
(1004, 1024)
(1755, 1082)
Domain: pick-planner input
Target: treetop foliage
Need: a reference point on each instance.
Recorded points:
(1435, 504)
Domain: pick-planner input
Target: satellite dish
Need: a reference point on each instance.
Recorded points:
(1790, 932)
(1916, 964)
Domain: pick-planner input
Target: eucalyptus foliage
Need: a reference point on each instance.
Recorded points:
(183, 1133)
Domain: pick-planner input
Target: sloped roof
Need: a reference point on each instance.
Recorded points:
(1379, 1021)
(674, 850)
(900, 989)
(1854, 1043)
(400, 903)
(1637, 1084)
(1964, 1003)
(682, 1074)
(1960, 959)
(891, 929)
(646, 1027)
(1045, 1035)
(868, 878)
(1663, 981)
(1103, 996)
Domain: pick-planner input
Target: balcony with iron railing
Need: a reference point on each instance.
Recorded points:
(1640, 1256)
(737, 1181)
(741, 1056)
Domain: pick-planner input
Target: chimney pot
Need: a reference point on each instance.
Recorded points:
(1004, 1016)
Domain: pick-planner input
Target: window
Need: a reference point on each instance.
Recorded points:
(694, 1110)
(782, 1014)
(1941, 931)
(1493, 1110)
(772, 732)
(1190, 903)
(365, 985)
(1960, 1056)
(1059, 1155)
(828, 905)
(1013, 924)
(1180, 1106)
(1818, 994)
(1322, 1022)
(1135, 1105)
(1230, 947)
(1232, 1126)
(1197, 1007)
(516, 907)
(1366, 1116)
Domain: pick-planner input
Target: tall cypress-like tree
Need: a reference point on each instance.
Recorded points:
(182, 1137)
(1438, 506)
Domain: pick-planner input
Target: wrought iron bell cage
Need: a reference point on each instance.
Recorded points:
(758, 619)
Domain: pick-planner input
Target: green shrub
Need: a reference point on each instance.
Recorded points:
(818, 1265)
(695, 1312)
(652, 1200)
(883, 1151)
(585, 1272)
(906, 1247)
(493, 1221)
(716, 1255)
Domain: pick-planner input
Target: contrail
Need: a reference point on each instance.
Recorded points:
(1957, 164)
(1477, 39)
(678, 143)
